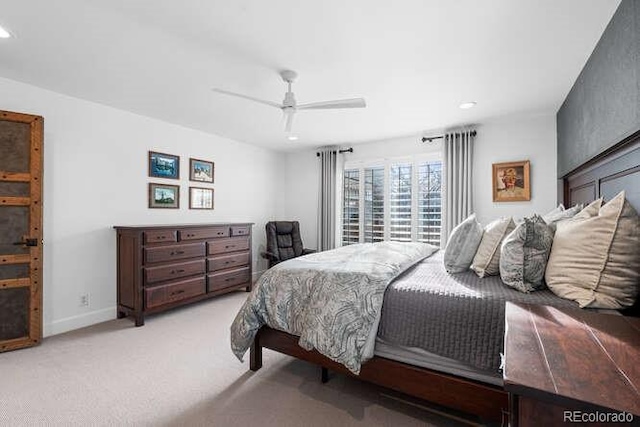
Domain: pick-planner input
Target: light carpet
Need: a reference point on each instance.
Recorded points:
(178, 370)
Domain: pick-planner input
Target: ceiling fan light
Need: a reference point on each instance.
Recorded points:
(292, 137)
(467, 105)
(4, 34)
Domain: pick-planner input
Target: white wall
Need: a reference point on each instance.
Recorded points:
(95, 177)
(505, 139)
(516, 138)
(301, 194)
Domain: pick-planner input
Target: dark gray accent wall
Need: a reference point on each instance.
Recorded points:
(603, 107)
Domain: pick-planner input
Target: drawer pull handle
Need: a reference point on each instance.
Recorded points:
(161, 237)
(220, 233)
(181, 291)
(177, 253)
(177, 271)
(230, 246)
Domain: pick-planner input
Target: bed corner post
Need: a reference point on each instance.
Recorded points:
(255, 354)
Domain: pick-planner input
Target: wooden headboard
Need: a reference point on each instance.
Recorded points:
(606, 175)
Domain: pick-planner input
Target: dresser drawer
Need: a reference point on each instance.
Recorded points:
(226, 279)
(167, 253)
(156, 236)
(223, 246)
(240, 230)
(172, 292)
(174, 271)
(228, 261)
(203, 233)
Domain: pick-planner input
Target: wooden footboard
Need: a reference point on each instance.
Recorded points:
(486, 401)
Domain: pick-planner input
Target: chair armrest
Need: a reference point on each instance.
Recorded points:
(306, 251)
(270, 256)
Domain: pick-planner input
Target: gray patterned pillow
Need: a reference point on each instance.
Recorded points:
(462, 245)
(524, 255)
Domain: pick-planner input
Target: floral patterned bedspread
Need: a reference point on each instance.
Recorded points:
(332, 300)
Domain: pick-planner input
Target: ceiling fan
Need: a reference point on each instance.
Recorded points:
(289, 106)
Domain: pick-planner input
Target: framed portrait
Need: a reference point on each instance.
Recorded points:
(164, 196)
(511, 182)
(200, 198)
(163, 165)
(200, 170)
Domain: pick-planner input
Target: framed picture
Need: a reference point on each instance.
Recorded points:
(164, 196)
(200, 198)
(511, 182)
(163, 165)
(200, 170)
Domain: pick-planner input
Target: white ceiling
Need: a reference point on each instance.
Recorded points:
(413, 60)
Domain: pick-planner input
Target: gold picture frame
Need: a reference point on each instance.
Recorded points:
(511, 181)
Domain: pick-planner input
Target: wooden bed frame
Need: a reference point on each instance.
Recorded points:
(604, 176)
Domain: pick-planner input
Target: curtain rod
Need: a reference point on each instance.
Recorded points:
(431, 138)
(346, 150)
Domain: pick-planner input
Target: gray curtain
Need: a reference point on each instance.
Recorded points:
(327, 200)
(458, 180)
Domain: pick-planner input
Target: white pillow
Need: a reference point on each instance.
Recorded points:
(560, 215)
(595, 257)
(555, 211)
(486, 262)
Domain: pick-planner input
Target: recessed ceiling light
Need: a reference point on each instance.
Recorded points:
(467, 105)
(292, 138)
(4, 34)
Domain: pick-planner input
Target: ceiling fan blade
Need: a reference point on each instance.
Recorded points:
(250, 98)
(340, 103)
(289, 123)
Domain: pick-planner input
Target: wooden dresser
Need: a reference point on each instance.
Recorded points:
(565, 366)
(161, 267)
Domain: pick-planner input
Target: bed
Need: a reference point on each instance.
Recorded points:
(472, 384)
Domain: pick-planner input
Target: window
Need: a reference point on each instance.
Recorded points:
(374, 204)
(392, 200)
(351, 207)
(400, 202)
(429, 219)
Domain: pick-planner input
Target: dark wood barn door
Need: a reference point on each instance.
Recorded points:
(20, 230)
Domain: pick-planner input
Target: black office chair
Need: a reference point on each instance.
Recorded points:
(283, 242)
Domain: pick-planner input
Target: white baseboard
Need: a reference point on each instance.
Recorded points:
(87, 319)
(80, 321)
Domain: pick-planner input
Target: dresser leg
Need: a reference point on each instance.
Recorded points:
(324, 375)
(248, 288)
(121, 314)
(139, 320)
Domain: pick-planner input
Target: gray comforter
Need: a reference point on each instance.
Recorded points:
(459, 316)
(331, 299)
